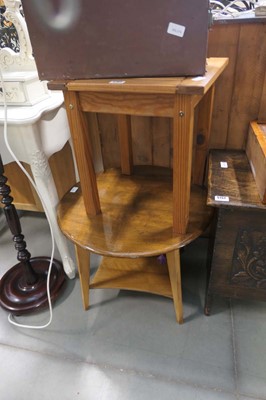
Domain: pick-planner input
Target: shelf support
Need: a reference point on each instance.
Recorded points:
(83, 262)
(125, 141)
(173, 262)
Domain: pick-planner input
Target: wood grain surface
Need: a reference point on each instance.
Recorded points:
(236, 181)
(136, 218)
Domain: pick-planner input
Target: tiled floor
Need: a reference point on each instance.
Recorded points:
(128, 345)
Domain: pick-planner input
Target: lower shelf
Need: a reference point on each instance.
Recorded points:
(145, 274)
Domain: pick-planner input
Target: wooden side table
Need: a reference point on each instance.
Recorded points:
(238, 265)
(138, 214)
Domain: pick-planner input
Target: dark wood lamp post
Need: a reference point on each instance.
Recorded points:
(23, 288)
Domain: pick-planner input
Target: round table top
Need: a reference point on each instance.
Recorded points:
(136, 218)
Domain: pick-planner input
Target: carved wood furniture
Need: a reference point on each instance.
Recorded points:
(137, 214)
(23, 287)
(22, 84)
(238, 265)
(35, 133)
(36, 119)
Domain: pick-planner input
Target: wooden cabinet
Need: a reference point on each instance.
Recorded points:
(238, 265)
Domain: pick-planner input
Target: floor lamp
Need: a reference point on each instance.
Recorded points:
(23, 288)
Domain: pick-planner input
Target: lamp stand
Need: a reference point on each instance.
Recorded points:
(23, 288)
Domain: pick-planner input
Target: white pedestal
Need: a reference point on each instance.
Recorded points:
(34, 134)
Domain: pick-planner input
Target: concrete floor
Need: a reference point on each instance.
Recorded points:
(128, 345)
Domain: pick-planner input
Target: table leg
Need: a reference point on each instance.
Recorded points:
(182, 161)
(125, 140)
(45, 184)
(173, 262)
(83, 260)
(208, 304)
(79, 128)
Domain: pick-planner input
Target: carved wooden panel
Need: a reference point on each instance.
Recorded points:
(249, 260)
(238, 265)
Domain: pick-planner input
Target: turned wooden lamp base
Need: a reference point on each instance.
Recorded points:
(23, 288)
(18, 297)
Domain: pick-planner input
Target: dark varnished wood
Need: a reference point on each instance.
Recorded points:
(136, 218)
(236, 181)
(15, 228)
(18, 297)
(239, 253)
(23, 288)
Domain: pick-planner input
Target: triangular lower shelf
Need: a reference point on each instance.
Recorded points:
(145, 274)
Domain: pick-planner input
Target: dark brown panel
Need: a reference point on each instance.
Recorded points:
(239, 255)
(122, 39)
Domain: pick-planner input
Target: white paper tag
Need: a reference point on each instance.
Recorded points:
(117, 82)
(198, 78)
(221, 198)
(224, 164)
(176, 29)
(74, 189)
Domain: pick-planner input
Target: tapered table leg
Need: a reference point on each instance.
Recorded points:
(23, 288)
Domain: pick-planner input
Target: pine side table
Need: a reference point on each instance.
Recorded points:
(137, 214)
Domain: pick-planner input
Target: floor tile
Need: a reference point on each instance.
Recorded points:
(243, 397)
(44, 377)
(134, 331)
(120, 334)
(52, 378)
(250, 335)
(142, 389)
